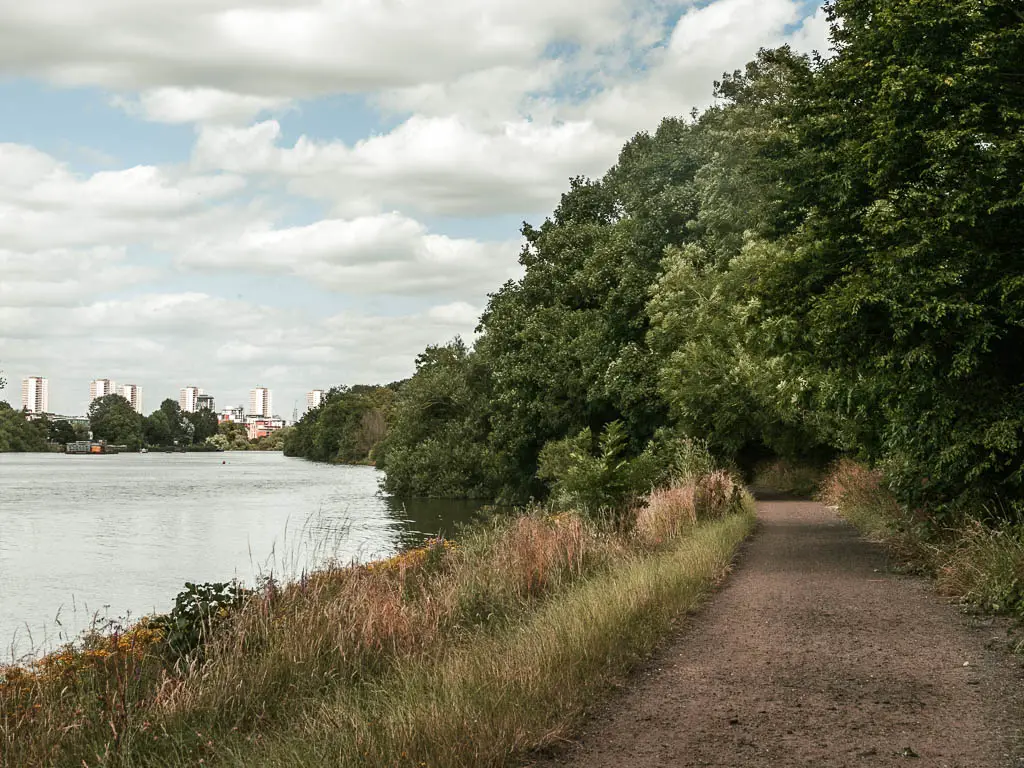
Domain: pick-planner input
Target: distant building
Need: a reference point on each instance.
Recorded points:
(133, 394)
(206, 402)
(261, 427)
(101, 388)
(35, 394)
(314, 399)
(188, 399)
(260, 402)
(236, 414)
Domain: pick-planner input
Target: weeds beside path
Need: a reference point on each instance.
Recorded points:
(817, 654)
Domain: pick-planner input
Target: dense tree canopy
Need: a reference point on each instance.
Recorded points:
(346, 427)
(827, 261)
(113, 419)
(19, 434)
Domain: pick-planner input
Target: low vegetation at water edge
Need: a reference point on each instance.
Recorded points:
(459, 653)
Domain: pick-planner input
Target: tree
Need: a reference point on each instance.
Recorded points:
(156, 429)
(231, 436)
(204, 424)
(901, 294)
(437, 438)
(113, 419)
(348, 426)
(179, 428)
(60, 432)
(18, 434)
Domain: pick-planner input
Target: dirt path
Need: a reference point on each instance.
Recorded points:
(815, 654)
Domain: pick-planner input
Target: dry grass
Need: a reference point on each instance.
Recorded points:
(985, 568)
(860, 495)
(499, 694)
(981, 565)
(346, 645)
(668, 512)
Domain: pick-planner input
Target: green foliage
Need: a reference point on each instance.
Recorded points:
(773, 277)
(203, 423)
(198, 610)
(275, 441)
(231, 437)
(437, 440)
(62, 432)
(347, 427)
(597, 479)
(113, 419)
(19, 434)
(901, 295)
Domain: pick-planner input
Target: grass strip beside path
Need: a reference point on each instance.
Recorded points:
(501, 694)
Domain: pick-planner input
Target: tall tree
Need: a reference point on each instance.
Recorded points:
(113, 419)
(903, 289)
(204, 424)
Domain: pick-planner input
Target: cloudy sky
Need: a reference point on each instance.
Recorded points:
(303, 193)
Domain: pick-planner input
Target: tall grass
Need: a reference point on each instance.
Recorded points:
(971, 560)
(451, 654)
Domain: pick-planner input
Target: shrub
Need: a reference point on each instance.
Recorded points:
(596, 481)
(198, 609)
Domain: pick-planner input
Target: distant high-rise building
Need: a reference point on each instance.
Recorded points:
(35, 394)
(236, 414)
(206, 402)
(314, 399)
(260, 403)
(188, 399)
(133, 394)
(101, 388)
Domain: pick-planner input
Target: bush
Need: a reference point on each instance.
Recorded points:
(985, 568)
(597, 481)
(197, 612)
(980, 564)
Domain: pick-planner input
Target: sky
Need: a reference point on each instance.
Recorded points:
(300, 194)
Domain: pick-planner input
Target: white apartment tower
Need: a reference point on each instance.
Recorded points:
(259, 402)
(133, 394)
(314, 399)
(101, 388)
(188, 399)
(35, 394)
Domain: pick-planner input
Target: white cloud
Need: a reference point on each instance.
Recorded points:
(436, 165)
(288, 48)
(199, 105)
(707, 41)
(66, 278)
(44, 205)
(383, 254)
(499, 104)
(164, 341)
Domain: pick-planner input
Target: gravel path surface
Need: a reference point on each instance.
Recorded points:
(816, 654)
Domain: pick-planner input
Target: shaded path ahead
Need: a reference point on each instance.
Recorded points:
(814, 654)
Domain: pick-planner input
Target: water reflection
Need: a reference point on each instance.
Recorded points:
(421, 518)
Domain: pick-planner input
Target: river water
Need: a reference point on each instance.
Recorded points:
(89, 538)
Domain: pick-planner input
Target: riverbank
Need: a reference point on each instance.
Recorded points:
(455, 655)
(86, 539)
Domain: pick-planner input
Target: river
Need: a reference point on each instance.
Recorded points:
(89, 538)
